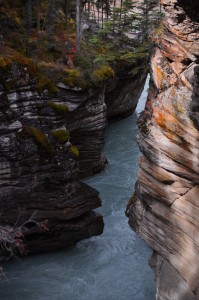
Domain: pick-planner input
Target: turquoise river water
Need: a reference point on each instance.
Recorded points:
(113, 266)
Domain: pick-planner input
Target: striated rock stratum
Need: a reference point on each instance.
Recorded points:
(39, 189)
(123, 93)
(48, 141)
(165, 207)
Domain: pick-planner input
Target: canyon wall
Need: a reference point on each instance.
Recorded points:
(39, 187)
(123, 93)
(164, 209)
(47, 143)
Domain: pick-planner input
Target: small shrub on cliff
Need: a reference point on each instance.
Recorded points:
(81, 61)
(132, 57)
(45, 83)
(27, 62)
(52, 89)
(33, 69)
(62, 135)
(102, 74)
(74, 78)
(17, 41)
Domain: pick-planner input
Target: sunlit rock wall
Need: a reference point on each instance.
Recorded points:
(165, 207)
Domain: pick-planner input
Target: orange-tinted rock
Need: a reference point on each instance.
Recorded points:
(166, 200)
(163, 74)
(178, 67)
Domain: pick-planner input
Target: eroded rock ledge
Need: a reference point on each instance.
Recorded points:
(165, 207)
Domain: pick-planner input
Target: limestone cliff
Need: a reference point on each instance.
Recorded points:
(165, 206)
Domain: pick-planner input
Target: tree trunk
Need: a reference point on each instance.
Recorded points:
(49, 15)
(78, 26)
(66, 10)
(120, 17)
(89, 9)
(102, 14)
(114, 5)
(38, 14)
(28, 13)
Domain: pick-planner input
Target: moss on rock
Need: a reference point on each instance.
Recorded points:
(39, 137)
(62, 135)
(60, 109)
(74, 150)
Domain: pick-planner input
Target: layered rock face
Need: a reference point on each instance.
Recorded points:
(122, 95)
(90, 112)
(46, 145)
(86, 121)
(39, 166)
(165, 207)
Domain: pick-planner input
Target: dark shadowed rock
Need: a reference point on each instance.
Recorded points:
(86, 122)
(122, 95)
(39, 167)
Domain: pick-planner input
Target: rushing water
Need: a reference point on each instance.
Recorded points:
(113, 266)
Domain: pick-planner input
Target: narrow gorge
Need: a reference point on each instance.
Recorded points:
(67, 169)
(110, 266)
(47, 145)
(164, 208)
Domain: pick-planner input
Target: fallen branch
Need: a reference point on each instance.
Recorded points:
(12, 237)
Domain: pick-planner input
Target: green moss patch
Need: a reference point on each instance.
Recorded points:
(62, 135)
(74, 150)
(60, 109)
(39, 137)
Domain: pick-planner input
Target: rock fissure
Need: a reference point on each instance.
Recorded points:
(183, 194)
